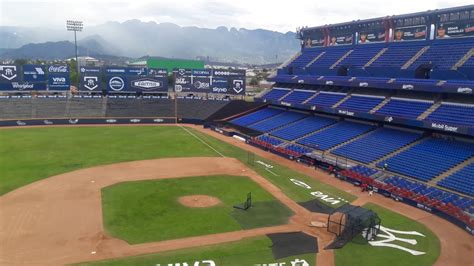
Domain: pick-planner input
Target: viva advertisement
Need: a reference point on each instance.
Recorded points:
(59, 77)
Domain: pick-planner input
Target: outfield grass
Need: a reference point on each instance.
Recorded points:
(246, 252)
(149, 211)
(359, 254)
(31, 154)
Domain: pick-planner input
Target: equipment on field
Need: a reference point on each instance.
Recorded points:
(349, 221)
(247, 204)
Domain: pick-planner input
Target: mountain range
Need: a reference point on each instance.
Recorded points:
(135, 38)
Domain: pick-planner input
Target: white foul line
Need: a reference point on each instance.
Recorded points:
(202, 141)
(271, 172)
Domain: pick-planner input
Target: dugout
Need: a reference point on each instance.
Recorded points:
(349, 221)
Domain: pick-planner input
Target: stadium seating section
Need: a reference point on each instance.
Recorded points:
(404, 108)
(277, 121)
(303, 127)
(461, 181)
(456, 114)
(429, 158)
(376, 144)
(257, 116)
(326, 99)
(335, 135)
(358, 103)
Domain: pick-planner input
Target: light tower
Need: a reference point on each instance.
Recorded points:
(75, 25)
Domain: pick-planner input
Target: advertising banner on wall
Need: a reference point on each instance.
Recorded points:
(9, 73)
(414, 33)
(34, 73)
(158, 72)
(90, 79)
(148, 84)
(454, 30)
(117, 83)
(210, 81)
(371, 36)
(313, 38)
(22, 86)
(58, 81)
(126, 71)
(345, 39)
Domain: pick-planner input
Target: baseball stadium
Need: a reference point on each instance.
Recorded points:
(360, 153)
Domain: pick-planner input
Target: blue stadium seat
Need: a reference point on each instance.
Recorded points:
(303, 127)
(404, 108)
(275, 94)
(326, 99)
(454, 114)
(359, 103)
(430, 158)
(255, 117)
(461, 181)
(334, 135)
(268, 139)
(278, 121)
(299, 149)
(376, 144)
(298, 96)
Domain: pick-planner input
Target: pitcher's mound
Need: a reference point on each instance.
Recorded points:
(199, 201)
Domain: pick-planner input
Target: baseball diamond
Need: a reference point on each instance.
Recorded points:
(357, 149)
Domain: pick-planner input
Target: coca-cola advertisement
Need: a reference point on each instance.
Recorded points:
(58, 69)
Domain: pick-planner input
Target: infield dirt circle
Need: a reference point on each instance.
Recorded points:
(199, 201)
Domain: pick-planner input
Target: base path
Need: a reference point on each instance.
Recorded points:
(457, 246)
(58, 220)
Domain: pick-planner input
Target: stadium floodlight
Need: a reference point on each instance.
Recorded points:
(75, 25)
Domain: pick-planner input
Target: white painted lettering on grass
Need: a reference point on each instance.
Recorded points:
(389, 238)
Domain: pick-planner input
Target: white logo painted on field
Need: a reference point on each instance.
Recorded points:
(389, 237)
(296, 262)
(196, 263)
(265, 164)
(318, 194)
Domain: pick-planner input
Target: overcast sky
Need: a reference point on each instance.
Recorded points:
(278, 15)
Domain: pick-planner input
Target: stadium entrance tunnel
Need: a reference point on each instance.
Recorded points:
(292, 244)
(349, 221)
(424, 71)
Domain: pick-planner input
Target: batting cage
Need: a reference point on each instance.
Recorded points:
(349, 221)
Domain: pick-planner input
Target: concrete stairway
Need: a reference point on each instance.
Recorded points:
(463, 60)
(415, 57)
(451, 171)
(314, 132)
(341, 101)
(382, 104)
(377, 56)
(310, 98)
(341, 59)
(289, 61)
(429, 111)
(283, 97)
(351, 140)
(404, 148)
(315, 59)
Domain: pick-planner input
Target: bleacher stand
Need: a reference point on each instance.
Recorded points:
(376, 144)
(335, 135)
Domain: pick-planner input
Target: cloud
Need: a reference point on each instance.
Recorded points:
(275, 15)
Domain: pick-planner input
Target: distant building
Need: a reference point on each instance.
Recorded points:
(87, 61)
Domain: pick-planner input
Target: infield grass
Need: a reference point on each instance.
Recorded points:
(246, 252)
(364, 254)
(149, 211)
